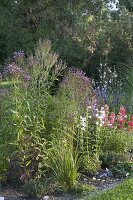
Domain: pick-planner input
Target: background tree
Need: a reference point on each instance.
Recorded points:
(86, 34)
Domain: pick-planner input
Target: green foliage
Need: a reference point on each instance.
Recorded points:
(122, 169)
(85, 34)
(111, 158)
(63, 161)
(24, 115)
(84, 188)
(36, 188)
(89, 164)
(115, 140)
(3, 162)
(6, 84)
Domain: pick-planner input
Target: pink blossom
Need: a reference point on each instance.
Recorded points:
(130, 126)
(122, 111)
(112, 119)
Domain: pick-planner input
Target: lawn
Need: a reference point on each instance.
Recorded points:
(124, 191)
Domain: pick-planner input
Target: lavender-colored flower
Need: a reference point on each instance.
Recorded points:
(79, 88)
(12, 69)
(102, 93)
(18, 54)
(26, 77)
(15, 71)
(80, 74)
(64, 82)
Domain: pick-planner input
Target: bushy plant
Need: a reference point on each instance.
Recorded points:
(24, 109)
(115, 131)
(84, 188)
(89, 164)
(36, 188)
(115, 140)
(110, 159)
(122, 169)
(78, 87)
(63, 161)
(3, 162)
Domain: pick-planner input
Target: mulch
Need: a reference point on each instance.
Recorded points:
(15, 193)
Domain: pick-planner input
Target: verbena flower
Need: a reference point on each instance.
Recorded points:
(18, 54)
(15, 71)
(12, 69)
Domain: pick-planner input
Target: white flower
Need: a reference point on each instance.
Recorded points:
(97, 115)
(102, 116)
(97, 123)
(83, 122)
(89, 107)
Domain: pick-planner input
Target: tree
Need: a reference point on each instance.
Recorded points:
(86, 34)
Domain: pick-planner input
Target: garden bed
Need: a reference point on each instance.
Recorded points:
(101, 184)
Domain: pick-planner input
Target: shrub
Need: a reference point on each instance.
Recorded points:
(122, 169)
(84, 188)
(115, 140)
(109, 159)
(36, 188)
(89, 164)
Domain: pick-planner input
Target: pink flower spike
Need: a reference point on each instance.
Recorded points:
(122, 111)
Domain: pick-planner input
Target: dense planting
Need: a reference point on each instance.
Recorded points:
(54, 126)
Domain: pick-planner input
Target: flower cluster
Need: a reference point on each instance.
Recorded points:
(19, 54)
(15, 71)
(83, 123)
(79, 88)
(12, 69)
(121, 117)
(105, 118)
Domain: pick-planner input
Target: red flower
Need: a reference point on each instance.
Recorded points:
(121, 121)
(130, 126)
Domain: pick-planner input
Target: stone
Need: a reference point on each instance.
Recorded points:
(45, 197)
